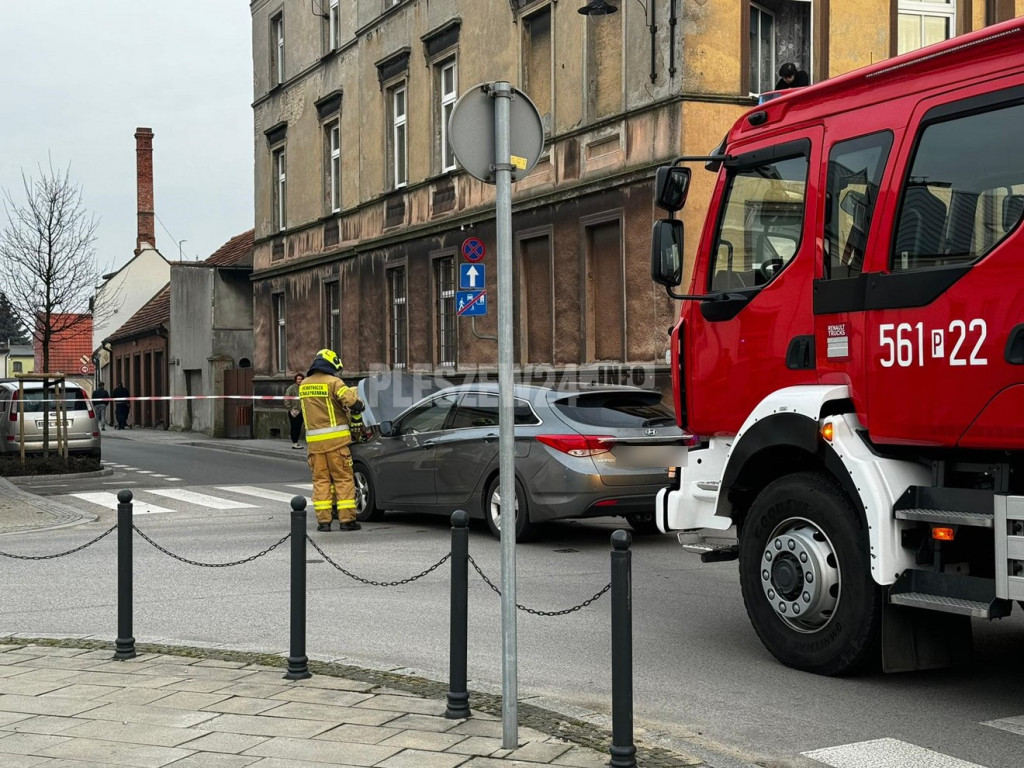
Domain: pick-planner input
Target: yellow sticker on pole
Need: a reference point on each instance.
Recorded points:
(518, 162)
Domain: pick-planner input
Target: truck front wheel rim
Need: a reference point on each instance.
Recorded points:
(800, 575)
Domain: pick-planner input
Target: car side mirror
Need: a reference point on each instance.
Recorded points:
(387, 429)
(672, 182)
(666, 252)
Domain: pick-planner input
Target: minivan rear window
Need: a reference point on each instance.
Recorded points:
(616, 409)
(34, 401)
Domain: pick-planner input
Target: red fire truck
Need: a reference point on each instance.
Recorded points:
(850, 356)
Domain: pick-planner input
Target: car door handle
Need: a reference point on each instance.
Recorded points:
(490, 437)
(429, 443)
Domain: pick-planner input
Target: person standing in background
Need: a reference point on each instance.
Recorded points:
(294, 410)
(100, 397)
(121, 404)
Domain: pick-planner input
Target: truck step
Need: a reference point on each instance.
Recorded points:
(948, 593)
(946, 517)
(963, 607)
(711, 549)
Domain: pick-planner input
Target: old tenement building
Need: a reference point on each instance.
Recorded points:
(361, 209)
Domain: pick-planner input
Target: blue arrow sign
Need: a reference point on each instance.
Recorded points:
(470, 303)
(471, 276)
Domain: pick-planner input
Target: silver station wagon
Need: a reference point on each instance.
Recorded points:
(587, 452)
(83, 429)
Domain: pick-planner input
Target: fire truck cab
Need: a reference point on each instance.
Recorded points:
(850, 356)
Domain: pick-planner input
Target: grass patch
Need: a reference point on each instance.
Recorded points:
(35, 464)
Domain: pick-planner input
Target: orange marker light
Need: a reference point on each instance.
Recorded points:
(828, 431)
(943, 534)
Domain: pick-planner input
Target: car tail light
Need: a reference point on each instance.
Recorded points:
(579, 445)
(14, 410)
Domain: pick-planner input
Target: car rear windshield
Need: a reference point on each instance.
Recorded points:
(616, 409)
(34, 401)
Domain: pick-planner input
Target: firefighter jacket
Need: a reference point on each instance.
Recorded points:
(325, 400)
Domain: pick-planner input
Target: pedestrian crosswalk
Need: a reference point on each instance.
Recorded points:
(226, 497)
(885, 753)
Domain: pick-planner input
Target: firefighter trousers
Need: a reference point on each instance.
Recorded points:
(333, 485)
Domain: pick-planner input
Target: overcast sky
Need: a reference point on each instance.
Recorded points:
(81, 75)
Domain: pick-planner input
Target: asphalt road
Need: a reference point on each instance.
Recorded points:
(699, 668)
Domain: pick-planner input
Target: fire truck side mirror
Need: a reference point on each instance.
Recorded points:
(666, 252)
(672, 182)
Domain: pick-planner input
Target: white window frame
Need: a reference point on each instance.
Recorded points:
(279, 164)
(278, 38)
(447, 106)
(334, 26)
(399, 134)
(767, 78)
(334, 167)
(398, 309)
(447, 326)
(280, 331)
(924, 10)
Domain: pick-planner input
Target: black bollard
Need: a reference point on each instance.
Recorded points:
(124, 646)
(298, 668)
(623, 751)
(458, 696)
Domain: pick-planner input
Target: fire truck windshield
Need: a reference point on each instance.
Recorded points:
(760, 225)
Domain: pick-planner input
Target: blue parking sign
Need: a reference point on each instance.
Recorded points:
(470, 303)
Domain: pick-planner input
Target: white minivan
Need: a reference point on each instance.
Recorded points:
(83, 429)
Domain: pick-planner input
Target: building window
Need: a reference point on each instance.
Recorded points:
(332, 316)
(17, 367)
(923, 22)
(398, 325)
(535, 302)
(280, 341)
(397, 142)
(277, 49)
(446, 350)
(762, 50)
(537, 61)
(605, 292)
(448, 93)
(332, 170)
(604, 66)
(279, 201)
(334, 27)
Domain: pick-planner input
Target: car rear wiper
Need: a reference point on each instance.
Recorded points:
(660, 421)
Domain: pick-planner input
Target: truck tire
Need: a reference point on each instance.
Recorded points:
(805, 572)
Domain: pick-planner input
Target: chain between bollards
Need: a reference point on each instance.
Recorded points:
(458, 696)
(623, 751)
(298, 663)
(124, 646)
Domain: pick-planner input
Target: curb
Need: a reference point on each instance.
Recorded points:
(20, 479)
(266, 453)
(530, 715)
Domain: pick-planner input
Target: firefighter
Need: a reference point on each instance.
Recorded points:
(327, 404)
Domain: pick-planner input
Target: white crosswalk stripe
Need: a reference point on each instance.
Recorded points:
(199, 499)
(885, 753)
(262, 493)
(109, 500)
(307, 487)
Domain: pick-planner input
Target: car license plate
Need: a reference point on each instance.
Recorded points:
(53, 424)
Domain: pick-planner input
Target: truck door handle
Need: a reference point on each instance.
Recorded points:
(1015, 346)
(800, 354)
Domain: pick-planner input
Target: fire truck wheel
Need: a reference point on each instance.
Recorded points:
(805, 572)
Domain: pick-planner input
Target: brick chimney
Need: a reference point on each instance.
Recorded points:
(144, 184)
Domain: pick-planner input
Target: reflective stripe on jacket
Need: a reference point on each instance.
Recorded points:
(324, 400)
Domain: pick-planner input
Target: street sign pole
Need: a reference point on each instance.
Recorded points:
(502, 93)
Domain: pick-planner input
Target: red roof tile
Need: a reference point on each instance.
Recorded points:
(154, 313)
(236, 252)
(70, 345)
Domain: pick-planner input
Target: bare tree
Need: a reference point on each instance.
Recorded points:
(48, 260)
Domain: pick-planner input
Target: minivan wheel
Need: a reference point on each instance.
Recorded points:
(366, 498)
(492, 511)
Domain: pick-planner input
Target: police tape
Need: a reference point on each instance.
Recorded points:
(116, 400)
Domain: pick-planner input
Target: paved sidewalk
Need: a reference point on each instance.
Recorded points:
(23, 511)
(67, 704)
